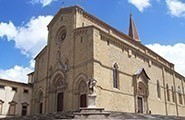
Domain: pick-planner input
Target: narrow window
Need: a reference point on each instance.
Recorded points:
(158, 90)
(24, 109)
(12, 108)
(81, 39)
(168, 92)
(179, 95)
(173, 94)
(115, 76)
(1, 106)
(61, 18)
(108, 42)
(180, 98)
(40, 99)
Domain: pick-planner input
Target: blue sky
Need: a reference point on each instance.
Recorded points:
(23, 31)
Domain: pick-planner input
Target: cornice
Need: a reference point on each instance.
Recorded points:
(10, 82)
(41, 52)
(155, 59)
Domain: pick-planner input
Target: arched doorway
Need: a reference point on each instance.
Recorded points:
(60, 101)
(82, 94)
(142, 98)
(60, 85)
(40, 101)
(57, 87)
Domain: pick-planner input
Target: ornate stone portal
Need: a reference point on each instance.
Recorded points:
(141, 91)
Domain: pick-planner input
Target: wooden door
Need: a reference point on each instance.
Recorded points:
(83, 100)
(40, 108)
(60, 97)
(140, 104)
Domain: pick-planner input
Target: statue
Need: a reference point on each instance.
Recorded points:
(66, 62)
(91, 83)
(50, 72)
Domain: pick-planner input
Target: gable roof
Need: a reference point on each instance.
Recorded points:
(140, 71)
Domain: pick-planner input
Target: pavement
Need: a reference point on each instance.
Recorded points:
(112, 116)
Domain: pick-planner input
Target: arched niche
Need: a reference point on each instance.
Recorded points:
(80, 90)
(40, 101)
(82, 87)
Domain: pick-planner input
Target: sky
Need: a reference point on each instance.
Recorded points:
(23, 28)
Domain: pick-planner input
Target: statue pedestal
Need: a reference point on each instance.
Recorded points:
(91, 103)
(91, 112)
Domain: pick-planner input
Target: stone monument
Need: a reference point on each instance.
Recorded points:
(91, 84)
(92, 111)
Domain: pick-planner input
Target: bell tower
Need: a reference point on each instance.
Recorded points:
(133, 30)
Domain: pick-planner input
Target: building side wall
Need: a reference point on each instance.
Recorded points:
(40, 79)
(19, 97)
(106, 53)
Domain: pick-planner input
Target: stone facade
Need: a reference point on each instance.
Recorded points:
(15, 98)
(130, 77)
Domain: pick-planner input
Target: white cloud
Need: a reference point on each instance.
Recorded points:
(43, 2)
(140, 4)
(176, 8)
(8, 29)
(32, 64)
(17, 73)
(30, 38)
(173, 53)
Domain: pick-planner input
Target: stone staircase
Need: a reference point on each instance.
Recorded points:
(91, 113)
(97, 114)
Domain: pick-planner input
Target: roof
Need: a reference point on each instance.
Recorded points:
(30, 73)
(133, 30)
(14, 82)
(140, 71)
(42, 51)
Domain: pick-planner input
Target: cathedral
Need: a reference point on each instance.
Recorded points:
(129, 76)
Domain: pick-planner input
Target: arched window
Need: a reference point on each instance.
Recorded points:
(83, 93)
(168, 92)
(179, 95)
(173, 94)
(12, 107)
(115, 76)
(180, 98)
(158, 90)
(40, 100)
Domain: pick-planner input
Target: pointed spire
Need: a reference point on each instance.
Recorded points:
(133, 30)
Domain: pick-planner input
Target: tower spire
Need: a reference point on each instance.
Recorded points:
(133, 30)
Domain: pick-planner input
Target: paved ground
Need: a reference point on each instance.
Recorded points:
(133, 116)
(113, 115)
(53, 116)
